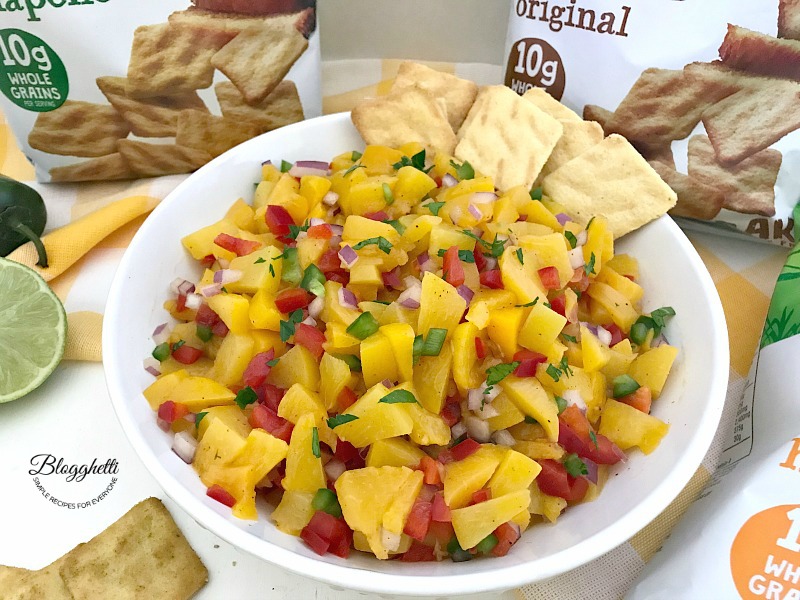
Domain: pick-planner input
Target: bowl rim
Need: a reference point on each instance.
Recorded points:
(341, 575)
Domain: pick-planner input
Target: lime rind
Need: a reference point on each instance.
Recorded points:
(33, 330)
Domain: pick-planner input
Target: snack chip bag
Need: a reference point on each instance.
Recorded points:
(120, 90)
(708, 92)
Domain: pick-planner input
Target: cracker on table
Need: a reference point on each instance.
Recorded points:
(44, 584)
(409, 114)
(753, 119)
(578, 137)
(281, 107)
(152, 160)
(611, 179)
(110, 167)
(229, 25)
(507, 137)
(756, 52)
(143, 555)
(210, 133)
(789, 19)
(598, 114)
(541, 99)
(458, 94)
(696, 200)
(259, 57)
(664, 105)
(168, 60)
(78, 128)
(749, 186)
(148, 117)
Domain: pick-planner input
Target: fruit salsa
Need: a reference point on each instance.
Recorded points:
(404, 361)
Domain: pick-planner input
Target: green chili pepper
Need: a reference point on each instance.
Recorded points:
(22, 218)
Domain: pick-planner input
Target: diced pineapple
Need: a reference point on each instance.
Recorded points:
(431, 376)
(550, 251)
(651, 368)
(632, 291)
(313, 188)
(233, 357)
(465, 477)
(304, 472)
(485, 302)
(628, 427)
(520, 277)
(395, 517)
(161, 389)
(515, 472)
(465, 357)
(440, 305)
(412, 185)
(617, 305)
(219, 444)
(201, 243)
(377, 360)
(540, 331)
(293, 512)
(532, 399)
(256, 272)
(231, 415)
(509, 415)
(333, 310)
(504, 329)
(595, 354)
(298, 365)
(539, 449)
(233, 309)
(335, 375)
(338, 341)
(376, 420)
(309, 251)
(394, 452)
(550, 507)
(299, 401)
(473, 523)
(262, 312)
(378, 160)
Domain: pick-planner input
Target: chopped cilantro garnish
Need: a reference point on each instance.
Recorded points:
(285, 166)
(199, 417)
(295, 230)
(398, 226)
(387, 193)
(495, 248)
(531, 420)
(224, 290)
(355, 155)
(561, 404)
(417, 161)
(315, 443)
(570, 338)
(573, 241)
(527, 304)
(497, 373)
(287, 327)
(464, 170)
(245, 396)
(352, 361)
(178, 344)
(575, 466)
(434, 207)
(565, 368)
(259, 261)
(520, 256)
(464, 255)
(335, 421)
(553, 371)
(398, 397)
(380, 241)
(589, 224)
(589, 266)
(273, 362)
(351, 169)
(593, 437)
(536, 193)
(271, 270)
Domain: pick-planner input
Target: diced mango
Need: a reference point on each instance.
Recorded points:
(233, 357)
(219, 444)
(509, 415)
(299, 401)
(233, 309)
(541, 330)
(465, 357)
(256, 272)
(262, 312)
(162, 388)
(521, 278)
(617, 305)
(231, 415)
(335, 375)
(595, 354)
(201, 243)
(377, 360)
(401, 340)
(412, 185)
(504, 329)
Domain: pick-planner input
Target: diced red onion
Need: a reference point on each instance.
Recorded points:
(309, 320)
(483, 197)
(591, 467)
(211, 290)
(425, 263)
(163, 425)
(347, 298)
(574, 397)
(266, 162)
(181, 286)
(348, 255)
(194, 301)
(491, 263)
(448, 180)
(160, 334)
(392, 279)
(590, 326)
(316, 221)
(309, 167)
(334, 469)
(466, 293)
(427, 492)
(478, 397)
(390, 540)
(572, 314)
(330, 198)
(604, 335)
(618, 452)
(224, 263)
(458, 430)
(478, 429)
(316, 306)
(335, 241)
(184, 445)
(152, 366)
(581, 237)
(576, 257)
(410, 297)
(387, 383)
(562, 218)
(337, 230)
(475, 211)
(502, 437)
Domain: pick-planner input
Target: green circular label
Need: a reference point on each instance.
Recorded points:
(32, 75)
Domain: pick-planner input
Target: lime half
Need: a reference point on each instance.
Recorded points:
(33, 330)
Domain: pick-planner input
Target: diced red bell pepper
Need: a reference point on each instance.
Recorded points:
(465, 448)
(268, 420)
(291, 299)
(559, 304)
(552, 479)
(492, 279)
(322, 232)
(220, 494)
(328, 529)
(616, 333)
(377, 216)
(206, 316)
(528, 361)
(236, 245)
(341, 546)
(208, 261)
(431, 472)
(480, 259)
(419, 520)
(187, 355)
(278, 220)
(440, 531)
(329, 261)
(180, 303)
(507, 535)
(580, 280)
(219, 329)
(310, 338)
(341, 277)
(640, 399)
(418, 552)
(270, 396)
(451, 412)
(578, 486)
(346, 398)
(257, 369)
(549, 277)
(452, 267)
(439, 510)
(482, 495)
(314, 541)
(480, 348)
(346, 452)
(171, 411)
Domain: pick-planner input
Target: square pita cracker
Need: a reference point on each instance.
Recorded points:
(577, 138)
(409, 114)
(152, 160)
(150, 117)
(212, 134)
(696, 200)
(78, 128)
(142, 555)
(110, 167)
(749, 186)
(756, 52)
(507, 137)
(541, 99)
(789, 19)
(611, 179)
(458, 94)
(281, 107)
(664, 105)
(259, 57)
(44, 584)
(167, 60)
(662, 153)
(753, 119)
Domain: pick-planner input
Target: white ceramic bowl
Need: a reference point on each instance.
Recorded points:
(671, 273)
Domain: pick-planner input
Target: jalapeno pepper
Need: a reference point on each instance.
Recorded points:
(22, 218)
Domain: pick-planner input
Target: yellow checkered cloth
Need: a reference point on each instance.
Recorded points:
(743, 272)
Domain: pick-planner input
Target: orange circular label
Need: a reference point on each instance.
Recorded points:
(765, 555)
(535, 63)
